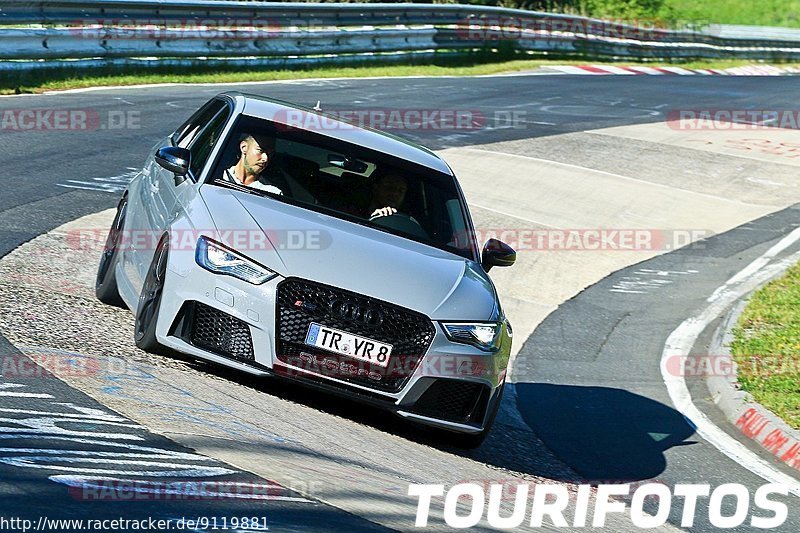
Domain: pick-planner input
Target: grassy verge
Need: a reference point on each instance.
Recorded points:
(747, 12)
(40, 81)
(767, 346)
(760, 13)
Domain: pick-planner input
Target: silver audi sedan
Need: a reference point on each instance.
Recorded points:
(279, 240)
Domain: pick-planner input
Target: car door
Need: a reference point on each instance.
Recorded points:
(201, 149)
(158, 192)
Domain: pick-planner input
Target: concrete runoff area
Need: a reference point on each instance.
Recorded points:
(715, 173)
(529, 194)
(763, 143)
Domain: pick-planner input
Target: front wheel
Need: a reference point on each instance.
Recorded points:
(150, 301)
(105, 285)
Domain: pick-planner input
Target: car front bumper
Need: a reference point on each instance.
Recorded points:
(453, 386)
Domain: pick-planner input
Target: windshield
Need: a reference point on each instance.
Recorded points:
(346, 181)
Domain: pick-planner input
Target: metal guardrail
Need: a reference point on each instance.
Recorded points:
(79, 33)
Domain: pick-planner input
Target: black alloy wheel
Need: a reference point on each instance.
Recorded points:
(105, 286)
(150, 300)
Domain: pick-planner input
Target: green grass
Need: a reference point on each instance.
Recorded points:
(746, 12)
(767, 346)
(36, 81)
(749, 12)
(48, 81)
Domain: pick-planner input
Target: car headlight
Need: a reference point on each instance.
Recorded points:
(483, 335)
(222, 260)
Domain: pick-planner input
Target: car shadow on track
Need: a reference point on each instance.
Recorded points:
(605, 435)
(509, 436)
(566, 433)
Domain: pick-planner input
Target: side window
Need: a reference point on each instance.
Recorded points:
(204, 142)
(184, 135)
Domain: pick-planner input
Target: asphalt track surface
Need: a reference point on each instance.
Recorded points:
(588, 381)
(592, 368)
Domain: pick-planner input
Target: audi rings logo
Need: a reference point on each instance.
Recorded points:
(369, 316)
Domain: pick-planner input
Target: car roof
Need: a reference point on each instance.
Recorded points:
(276, 111)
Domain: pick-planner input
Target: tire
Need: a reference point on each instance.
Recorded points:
(105, 286)
(144, 332)
(472, 441)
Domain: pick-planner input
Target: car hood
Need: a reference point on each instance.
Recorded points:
(318, 247)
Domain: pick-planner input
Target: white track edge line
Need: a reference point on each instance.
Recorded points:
(682, 339)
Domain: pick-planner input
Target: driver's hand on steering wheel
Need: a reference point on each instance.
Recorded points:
(383, 212)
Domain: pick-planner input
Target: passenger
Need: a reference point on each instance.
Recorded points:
(255, 153)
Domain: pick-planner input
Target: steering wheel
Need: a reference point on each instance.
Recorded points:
(401, 222)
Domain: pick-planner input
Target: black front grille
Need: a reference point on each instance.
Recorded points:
(219, 332)
(300, 302)
(455, 401)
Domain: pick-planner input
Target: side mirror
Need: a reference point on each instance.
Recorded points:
(176, 160)
(497, 253)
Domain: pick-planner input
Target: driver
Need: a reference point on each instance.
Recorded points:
(255, 152)
(388, 193)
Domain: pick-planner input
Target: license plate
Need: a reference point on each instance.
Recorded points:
(343, 343)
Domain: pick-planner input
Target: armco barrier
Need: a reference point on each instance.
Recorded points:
(47, 33)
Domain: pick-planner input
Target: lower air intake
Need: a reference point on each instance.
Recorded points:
(220, 333)
(454, 401)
